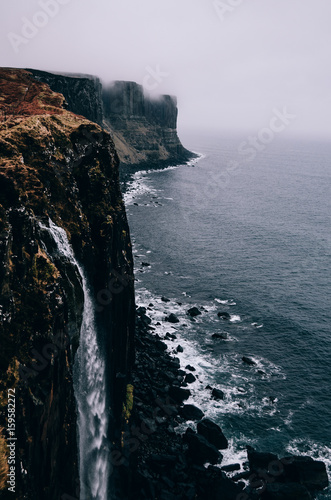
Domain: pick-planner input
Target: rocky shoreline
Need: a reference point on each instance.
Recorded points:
(163, 464)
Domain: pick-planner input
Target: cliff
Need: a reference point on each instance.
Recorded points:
(143, 129)
(83, 95)
(60, 166)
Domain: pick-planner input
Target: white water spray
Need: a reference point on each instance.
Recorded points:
(89, 387)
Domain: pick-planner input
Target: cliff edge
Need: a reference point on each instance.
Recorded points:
(60, 167)
(144, 129)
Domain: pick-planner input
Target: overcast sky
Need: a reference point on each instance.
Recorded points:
(230, 62)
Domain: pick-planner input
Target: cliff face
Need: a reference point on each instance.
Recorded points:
(143, 129)
(57, 165)
(83, 95)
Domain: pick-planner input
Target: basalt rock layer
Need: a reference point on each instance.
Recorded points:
(144, 129)
(58, 165)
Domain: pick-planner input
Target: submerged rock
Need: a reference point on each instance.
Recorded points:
(248, 361)
(223, 315)
(172, 318)
(222, 335)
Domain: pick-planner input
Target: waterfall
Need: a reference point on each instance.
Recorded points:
(89, 387)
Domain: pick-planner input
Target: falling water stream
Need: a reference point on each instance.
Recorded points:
(89, 387)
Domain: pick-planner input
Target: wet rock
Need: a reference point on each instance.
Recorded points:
(230, 468)
(217, 394)
(190, 378)
(222, 336)
(242, 475)
(200, 450)
(224, 489)
(193, 312)
(191, 412)
(171, 336)
(161, 346)
(223, 315)
(258, 460)
(172, 318)
(164, 299)
(213, 433)
(179, 349)
(311, 473)
(248, 361)
(141, 311)
(179, 394)
(190, 368)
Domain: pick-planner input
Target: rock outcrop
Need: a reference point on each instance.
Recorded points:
(144, 129)
(57, 165)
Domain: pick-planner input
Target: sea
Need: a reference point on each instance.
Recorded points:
(247, 236)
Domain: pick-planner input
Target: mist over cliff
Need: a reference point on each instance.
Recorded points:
(143, 128)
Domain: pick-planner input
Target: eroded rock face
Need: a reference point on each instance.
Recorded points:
(54, 164)
(144, 129)
(83, 95)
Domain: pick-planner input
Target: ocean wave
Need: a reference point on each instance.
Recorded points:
(226, 302)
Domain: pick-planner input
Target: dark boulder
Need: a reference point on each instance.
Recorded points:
(223, 315)
(179, 349)
(200, 450)
(305, 470)
(194, 311)
(217, 394)
(141, 311)
(179, 394)
(230, 468)
(191, 412)
(248, 361)
(258, 460)
(190, 378)
(161, 346)
(145, 264)
(164, 299)
(189, 367)
(172, 318)
(213, 433)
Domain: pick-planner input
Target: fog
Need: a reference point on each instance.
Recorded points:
(230, 63)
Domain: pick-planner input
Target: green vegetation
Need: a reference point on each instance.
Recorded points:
(127, 407)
